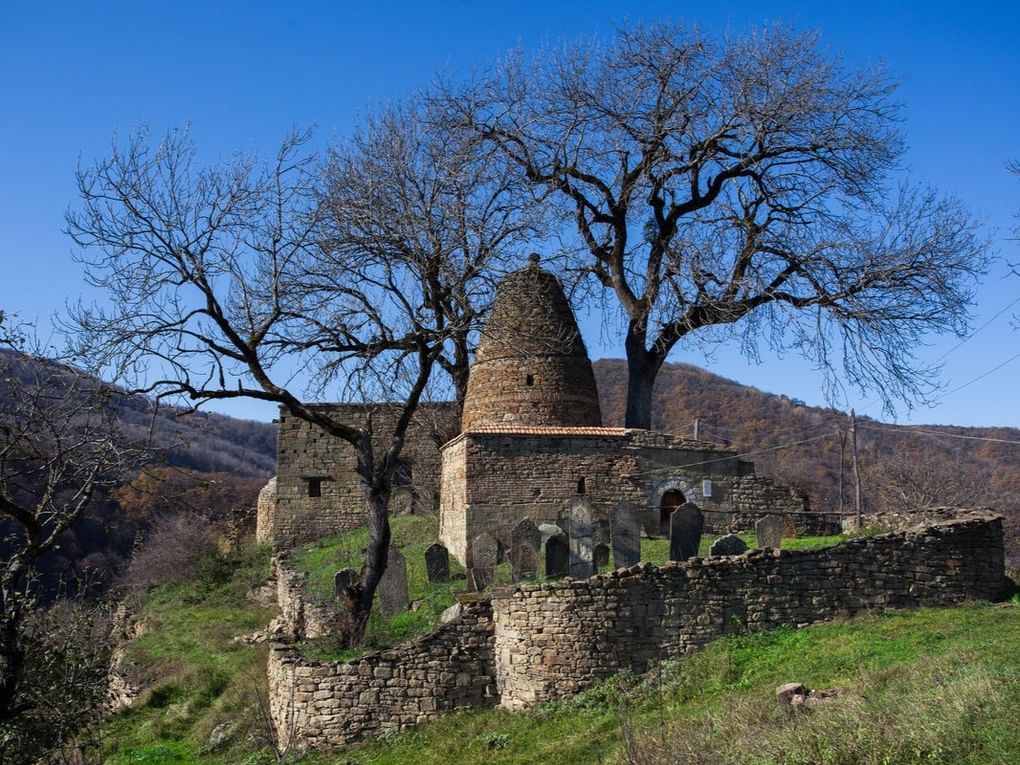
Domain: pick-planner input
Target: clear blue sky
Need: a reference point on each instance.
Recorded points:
(243, 73)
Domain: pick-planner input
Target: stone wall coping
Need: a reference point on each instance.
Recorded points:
(965, 517)
(635, 436)
(288, 653)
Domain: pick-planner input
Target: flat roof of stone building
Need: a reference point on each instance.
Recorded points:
(637, 436)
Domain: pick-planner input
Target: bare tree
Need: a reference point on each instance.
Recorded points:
(60, 448)
(285, 281)
(736, 189)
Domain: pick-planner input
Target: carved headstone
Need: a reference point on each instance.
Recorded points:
(601, 531)
(342, 580)
(626, 535)
(579, 533)
(600, 557)
(768, 532)
(393, 598)
(484, 557)
(685, 526)
(730, 544)
(525, 542)
(437, 563)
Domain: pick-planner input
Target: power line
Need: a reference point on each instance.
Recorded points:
(981, 376)
(907, 429)
(671, 468)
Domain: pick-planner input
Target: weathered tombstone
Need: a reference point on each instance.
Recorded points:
(525, 542)
(685, 526)
(601, 531)
(484, 557)
(626, 536)
(768, 532)
(730, 544)
(579, 538)
(393, 598)
(550, 530)
(600, 557)
(437, 563)
(557, 558)
(343, 579)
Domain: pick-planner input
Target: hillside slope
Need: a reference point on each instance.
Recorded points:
(901, 466)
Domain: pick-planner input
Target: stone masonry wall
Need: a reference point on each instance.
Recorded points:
(265, 512)
(300, 617)
(316, 704)
(503, 477)
(536, 643)
(307, 455)
(554, 640)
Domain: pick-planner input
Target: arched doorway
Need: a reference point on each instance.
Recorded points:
(670, 501)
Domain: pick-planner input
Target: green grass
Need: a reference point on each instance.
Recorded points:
(933, 686)
(196, 676)
(412, 534)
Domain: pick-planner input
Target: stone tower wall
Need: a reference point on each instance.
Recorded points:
(305, 453)
(531, 366)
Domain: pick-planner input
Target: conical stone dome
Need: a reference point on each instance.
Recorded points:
(531, 367)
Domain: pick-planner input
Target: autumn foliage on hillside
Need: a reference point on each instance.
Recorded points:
(902, 466)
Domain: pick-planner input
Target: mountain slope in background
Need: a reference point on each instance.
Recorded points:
(901, 466)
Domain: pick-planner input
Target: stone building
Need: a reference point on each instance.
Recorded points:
(530, 438)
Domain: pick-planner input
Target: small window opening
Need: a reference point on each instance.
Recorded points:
(580, 486)
(529, 380)
(314, 487)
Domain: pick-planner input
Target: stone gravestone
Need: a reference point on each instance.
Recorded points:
(600, 557)
(343, 579)
(393, 598)
(525, 542)
(550, 530)
(437, 563)
(685, 526)
(579, 533)
(730, 544)
(557, 558)
(484, 556)
(769, 532)
(626, 536)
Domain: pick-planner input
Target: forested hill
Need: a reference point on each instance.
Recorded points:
(901, 465)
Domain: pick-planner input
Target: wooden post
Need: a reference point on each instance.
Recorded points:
(857, 469)
(842, 459)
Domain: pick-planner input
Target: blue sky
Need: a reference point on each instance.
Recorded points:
(71, 74)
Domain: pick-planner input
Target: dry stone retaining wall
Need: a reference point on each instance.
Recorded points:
(300, 616)
(556, 639)
(316, 704)
(535, 643)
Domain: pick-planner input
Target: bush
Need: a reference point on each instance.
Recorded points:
(175, 546)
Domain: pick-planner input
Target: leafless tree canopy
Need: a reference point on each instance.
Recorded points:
(352, 280)
(60, 446)
(738, 188)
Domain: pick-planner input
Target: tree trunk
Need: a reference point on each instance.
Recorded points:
(642, 368)
(376, 490)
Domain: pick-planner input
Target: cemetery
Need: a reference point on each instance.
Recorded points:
(562, 552)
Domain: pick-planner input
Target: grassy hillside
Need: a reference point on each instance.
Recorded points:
(932, 686)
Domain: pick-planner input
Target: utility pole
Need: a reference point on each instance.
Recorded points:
(857, 468)
(697, 429)
(842, 459)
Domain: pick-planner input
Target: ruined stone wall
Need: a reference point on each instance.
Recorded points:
(307, 455)
(265, 513)
(318, 704)
(300, 616)
(536, 643)
(556, 639)
(751, 497)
